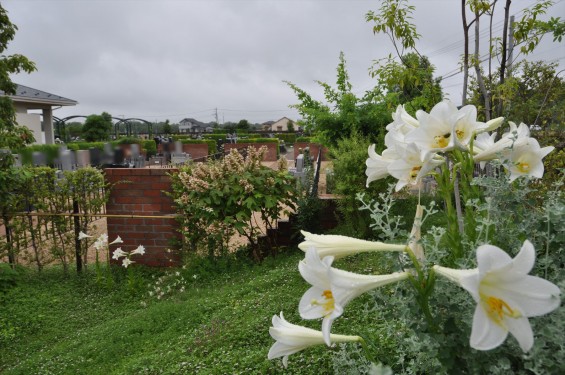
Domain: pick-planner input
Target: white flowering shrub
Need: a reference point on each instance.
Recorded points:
(235, 195)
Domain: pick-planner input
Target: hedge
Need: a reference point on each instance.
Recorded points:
(286, 137)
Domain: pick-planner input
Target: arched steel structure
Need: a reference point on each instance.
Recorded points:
(61, 122)
(127, 122)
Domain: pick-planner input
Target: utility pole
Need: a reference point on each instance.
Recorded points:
(217, 122)
(510, 47)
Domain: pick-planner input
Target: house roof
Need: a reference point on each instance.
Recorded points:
(282, 118)
(193, 121)
(31, 95)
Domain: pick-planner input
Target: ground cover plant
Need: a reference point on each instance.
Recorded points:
(52, 323)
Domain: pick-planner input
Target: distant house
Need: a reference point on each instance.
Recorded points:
(190, 125)
(280, 125)
(266, 126)
(41, 124)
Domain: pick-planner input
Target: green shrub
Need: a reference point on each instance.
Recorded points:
(50, 151)
(150, 147)
(286, 137)
(128, 141)
(260, 140)
(86, 145)
(8, 277)
(304, 139)
(216, 137)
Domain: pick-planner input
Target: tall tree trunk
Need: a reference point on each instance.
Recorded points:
(503, 58)
(477, 63)
(465, 52)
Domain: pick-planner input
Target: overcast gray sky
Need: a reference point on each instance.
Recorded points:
(166, 59)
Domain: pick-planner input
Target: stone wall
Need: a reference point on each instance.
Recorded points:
(314, 148)
(195, 150)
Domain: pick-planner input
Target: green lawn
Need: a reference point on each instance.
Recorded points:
(52, 324)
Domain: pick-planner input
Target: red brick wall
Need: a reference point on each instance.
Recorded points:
(196, 150)
(271, 154)
(144, 195)
(313, 150)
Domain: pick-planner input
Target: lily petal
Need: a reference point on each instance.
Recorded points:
(486, 335)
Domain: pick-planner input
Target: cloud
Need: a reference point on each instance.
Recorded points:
(175, 59)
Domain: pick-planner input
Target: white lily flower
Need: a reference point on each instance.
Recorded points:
(82, 236)
(517, 131)
(402, 121)
(291, 338)
(139, 250)
(436, 128)
(465, 127)
(517, 136)
(117, 240)
(341, 246)
(101, 242)
(489, 125)
(126, 262)
(526, 159)
(410, 169)
(118, 253)
(506, 295)
(332, 289)
(376, 166)
(484, 141)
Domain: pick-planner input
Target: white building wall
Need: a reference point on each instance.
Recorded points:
(33, 122)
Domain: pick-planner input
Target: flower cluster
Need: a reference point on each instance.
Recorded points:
(416, 146)
(330, 292)
(119, 253)
(101, 243)
(504, 292)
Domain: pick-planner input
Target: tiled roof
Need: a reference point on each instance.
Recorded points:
(28, 94)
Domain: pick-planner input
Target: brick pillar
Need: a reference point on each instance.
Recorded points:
(141, 191)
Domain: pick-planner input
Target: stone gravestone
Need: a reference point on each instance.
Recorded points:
(118, 156)
(38, 159)
(107, 154)
(83, 158)
(134, 150)
(95, 156)
(178, 148)
(178, 156)
(17, 160)
(299, 171)
(66, 162)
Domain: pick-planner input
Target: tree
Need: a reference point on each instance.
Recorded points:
(410, 82)
(344, 112)
(522, 36)
(243, 125)
(12, 135)
(73, 129)
(535, 95)
(97, 127)
(167, 129)
(367, 116)
(290, 126)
